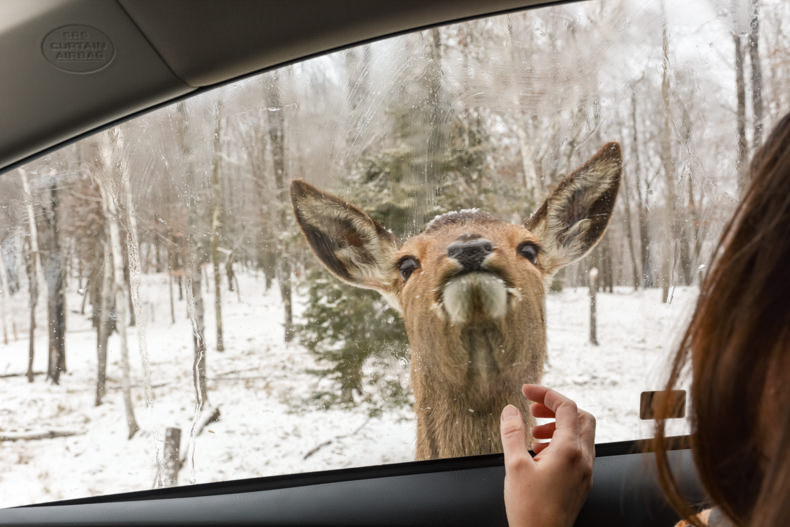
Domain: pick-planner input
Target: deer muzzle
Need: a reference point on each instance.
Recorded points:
(475, 296)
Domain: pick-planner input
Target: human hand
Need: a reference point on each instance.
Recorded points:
(549, 489)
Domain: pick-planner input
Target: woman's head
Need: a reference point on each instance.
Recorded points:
(737, 345)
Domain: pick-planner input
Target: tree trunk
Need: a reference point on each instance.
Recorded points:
(56, 294)
(5, 296)
(172, 304)
(216, 198)
(127, 278)
(646, 275)
(229, 271)
(531, 182)
(668, 165)
(629, 234)
(197, 316)
(33, 271)
(110, 206)
(687, 228)
(606, 265)
(277, 141)
(194, 275)
(757, 74)
(158, 254)
(593, 288)
(85, 294)
(170, 463)
(357, 92)
(740, 90)
(133, 270)
(105, 324)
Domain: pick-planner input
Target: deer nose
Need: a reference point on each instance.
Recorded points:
(470, 253)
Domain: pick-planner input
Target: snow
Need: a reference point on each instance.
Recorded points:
(441, 217)
(261, 387)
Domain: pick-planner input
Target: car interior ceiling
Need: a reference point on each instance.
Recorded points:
(175, 47)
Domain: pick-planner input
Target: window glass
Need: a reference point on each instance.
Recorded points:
(165, 322)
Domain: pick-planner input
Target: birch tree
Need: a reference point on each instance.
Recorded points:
(195, 305)
(668, 166)
(5, 296)
(532, 184)
(110, 203)
(105, 324)
(740, 120)
(216, 205)
(277, 143)
(757, 75)
(33, 270)
(132, 267)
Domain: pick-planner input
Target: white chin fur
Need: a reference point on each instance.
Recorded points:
(475, 291)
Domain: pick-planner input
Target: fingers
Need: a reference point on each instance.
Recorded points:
(513, 433)
(540, 410)
(565, 411)
(587, 433)
(572, 427)
(544, 431)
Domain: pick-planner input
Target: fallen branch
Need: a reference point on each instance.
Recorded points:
(7, 375)
(207, 417)
(328, 442)
(34, 436)
(317, 448)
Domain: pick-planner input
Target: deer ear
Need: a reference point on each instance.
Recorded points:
(350, 244)
(574, 217)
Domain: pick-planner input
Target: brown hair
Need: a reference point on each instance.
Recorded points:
(737, 346)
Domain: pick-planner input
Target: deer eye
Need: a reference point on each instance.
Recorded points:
(529, 251)
(407, 265)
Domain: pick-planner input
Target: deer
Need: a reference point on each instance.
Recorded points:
(471, 290)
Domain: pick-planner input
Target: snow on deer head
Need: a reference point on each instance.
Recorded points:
(471, 289)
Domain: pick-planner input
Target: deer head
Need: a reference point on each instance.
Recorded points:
(471, 289)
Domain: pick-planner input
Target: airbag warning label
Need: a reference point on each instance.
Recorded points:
(78, 49)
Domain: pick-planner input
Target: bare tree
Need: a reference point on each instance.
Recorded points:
(643, 217)
(216, 206)
(5, 295)
(531, 182)
(194, 275)
(740, 91)
(54, 272)
(668, 165)
(593, 290)
(105, 322)
(757, 75)
(33, 270)
(253, 138)
(626, 204)
(277, 142)
(132, 267)
(110, 201)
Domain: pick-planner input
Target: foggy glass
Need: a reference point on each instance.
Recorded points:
(145, 218)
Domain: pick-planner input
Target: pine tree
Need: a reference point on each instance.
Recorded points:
(346, 327)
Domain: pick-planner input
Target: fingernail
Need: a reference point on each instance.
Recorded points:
(509, 411)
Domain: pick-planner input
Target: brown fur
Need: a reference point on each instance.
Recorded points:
(463, 373)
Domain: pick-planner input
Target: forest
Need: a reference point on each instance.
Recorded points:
(169, 239)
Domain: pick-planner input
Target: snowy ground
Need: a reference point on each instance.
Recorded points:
(260, 386)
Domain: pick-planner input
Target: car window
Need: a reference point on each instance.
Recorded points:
(166, 322)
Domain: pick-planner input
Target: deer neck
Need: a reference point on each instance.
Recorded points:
(476, 361)
(463, 376)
